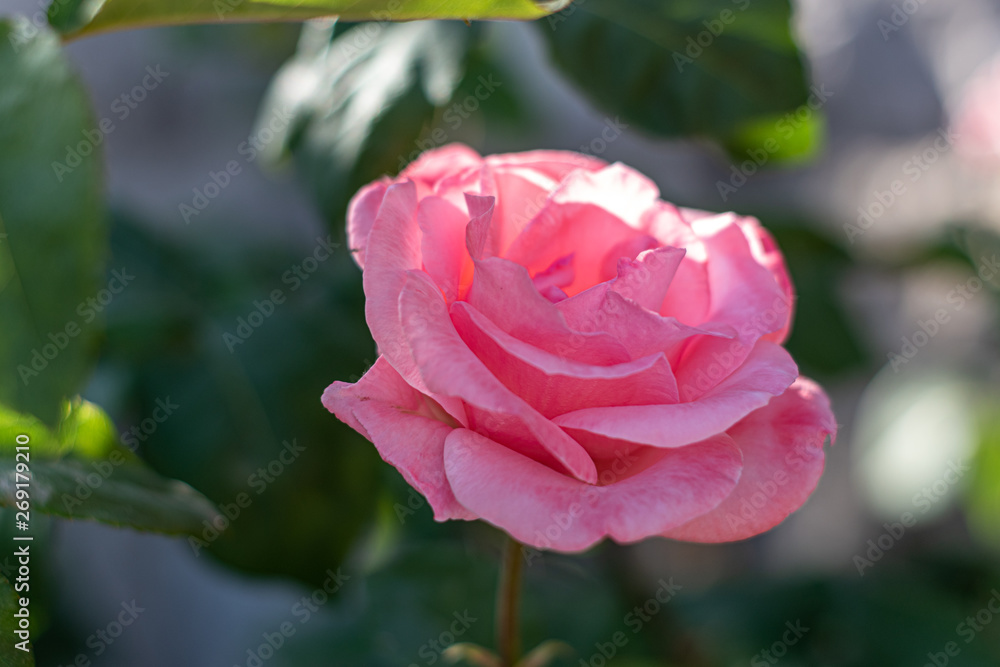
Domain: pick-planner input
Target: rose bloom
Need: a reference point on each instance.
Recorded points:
(568, 357)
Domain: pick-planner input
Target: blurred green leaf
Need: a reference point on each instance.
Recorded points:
(84, 430)
(788, 138)
(80, 471)
(682, 67)
(238, 405)
(85, 17)
(436, 593)
(983, 495)
(358, 100)
(53, 233)
(111, 491)
(894, 617)
(10, 655)
(823, 339)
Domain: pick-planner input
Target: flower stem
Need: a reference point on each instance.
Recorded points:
(509, 605)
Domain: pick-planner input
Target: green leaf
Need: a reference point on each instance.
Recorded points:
(84, 430)
(237, 405)
(85, 17)
(681, 67)
(10, 655)
(53, 232)
(80, 471)
(983, 495)
(355, 102)
(114, 492)
(788, 138)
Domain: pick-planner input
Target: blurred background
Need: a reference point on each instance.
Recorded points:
(235, 166)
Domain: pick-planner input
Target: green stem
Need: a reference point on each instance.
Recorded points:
(509, 604)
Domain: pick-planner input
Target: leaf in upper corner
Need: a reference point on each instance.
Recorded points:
(53, 231)
(82, 17)
(681, 67)
(354, 102)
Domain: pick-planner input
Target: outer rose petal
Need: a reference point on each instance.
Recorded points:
(393, 249)
(544, 509)
(618, 189)
(767, 372)
(433, 166)
(405, 427)
(745, 295)
(553, 164)
(361, 212)
(782, 446)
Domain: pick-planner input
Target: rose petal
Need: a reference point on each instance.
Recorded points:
(639, 330)
(449, 368)
(553, 164)
(520, 193)
(480, 238)
(583, 228)
(782, 445)
(645, 279)
(442, 245)
(434, 166)
(767, 372)
(620, 190)
(407, 429)
(361, 212)
(554, 385)
(546, 510)
(745, 295)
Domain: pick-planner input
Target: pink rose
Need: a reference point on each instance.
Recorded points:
(568, 357)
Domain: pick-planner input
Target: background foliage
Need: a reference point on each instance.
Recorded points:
(263, 485)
